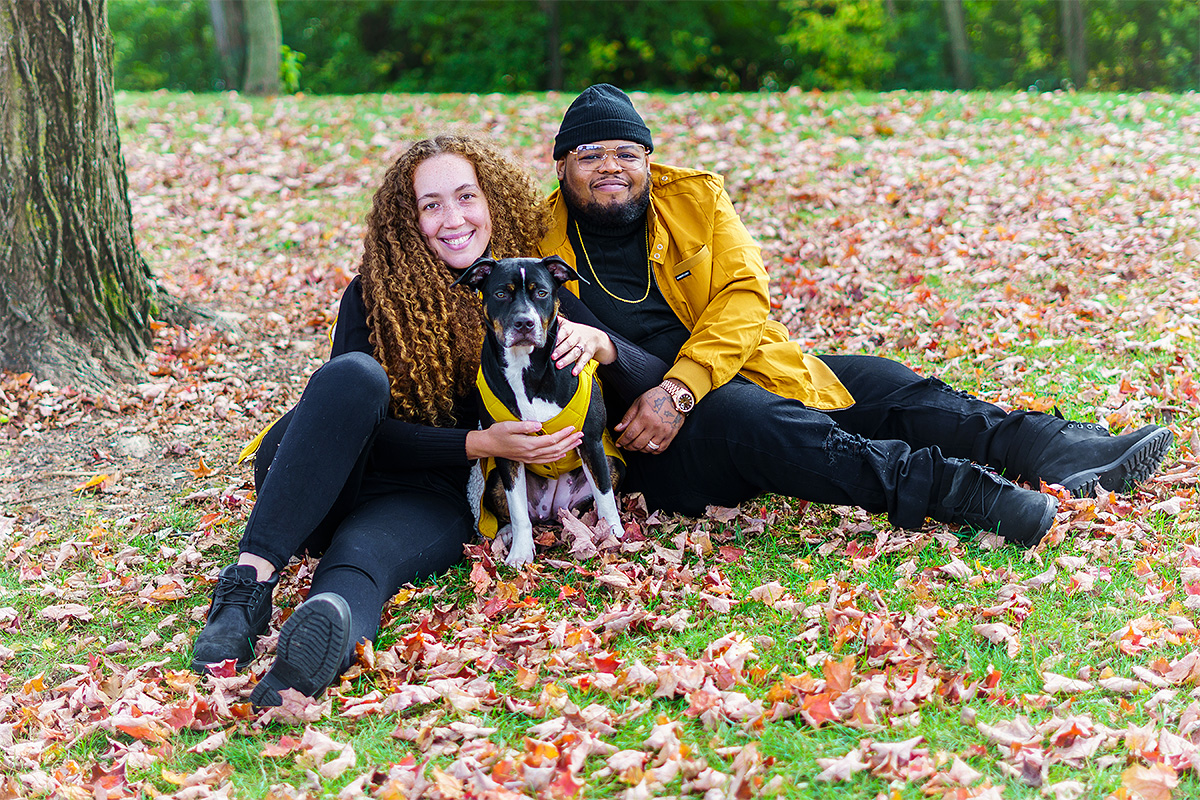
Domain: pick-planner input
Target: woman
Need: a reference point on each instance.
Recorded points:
(369, 470)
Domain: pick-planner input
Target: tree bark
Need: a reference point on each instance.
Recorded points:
(263, 39)
(1074, 40)
(75, 296)
(960, 48)
(228, 34)
(554, 61)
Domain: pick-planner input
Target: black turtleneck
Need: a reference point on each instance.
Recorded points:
(618, 254)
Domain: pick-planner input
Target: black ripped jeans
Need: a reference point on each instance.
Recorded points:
(886, 453)
(320, 493)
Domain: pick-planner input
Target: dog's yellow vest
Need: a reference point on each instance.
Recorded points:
(572, 415)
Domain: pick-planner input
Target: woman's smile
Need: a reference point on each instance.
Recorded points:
(452, 211)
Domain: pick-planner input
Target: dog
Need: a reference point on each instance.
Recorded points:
(519, 381)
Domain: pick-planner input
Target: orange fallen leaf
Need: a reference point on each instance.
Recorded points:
(202, 470)
(1150, 783)
(96, 482)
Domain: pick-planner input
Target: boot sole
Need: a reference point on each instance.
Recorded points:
(312, 645)
(1134, 466)
(1046, 521)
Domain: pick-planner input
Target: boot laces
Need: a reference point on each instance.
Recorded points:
(237, 591)
(980, 495)
(987, 481)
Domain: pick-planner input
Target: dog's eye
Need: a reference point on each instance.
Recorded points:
(500, 294)
(542, 293)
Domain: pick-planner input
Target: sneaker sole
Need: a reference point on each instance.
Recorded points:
(1134, 466)
(312, 645)
(201, 667)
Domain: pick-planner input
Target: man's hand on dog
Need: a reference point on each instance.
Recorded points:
(518, 441)
(578, 344)
(650, 423)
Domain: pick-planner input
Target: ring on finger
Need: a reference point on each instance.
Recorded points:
(652, 445)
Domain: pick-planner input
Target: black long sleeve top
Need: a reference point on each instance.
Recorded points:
(401, 444)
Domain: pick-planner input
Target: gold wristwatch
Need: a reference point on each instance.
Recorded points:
(681, 396)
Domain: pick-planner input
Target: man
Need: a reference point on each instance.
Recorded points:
(742, 410)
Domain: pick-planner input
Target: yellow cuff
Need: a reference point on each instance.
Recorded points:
(695, 377)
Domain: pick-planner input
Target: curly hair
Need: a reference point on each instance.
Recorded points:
(427, 333)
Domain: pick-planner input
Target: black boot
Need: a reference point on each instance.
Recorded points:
(239, 614)
(312, 647)
(978, 497)
(1081, 455)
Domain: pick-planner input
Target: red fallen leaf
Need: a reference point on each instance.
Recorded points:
(730, 554)
(210, 519)
(816, 710)
(565, 785)
(223, 669)
(283, 747)
(144, 728)
(838, 675)
(481, 581)
(495, 605)
(108, 783)
(607, 663)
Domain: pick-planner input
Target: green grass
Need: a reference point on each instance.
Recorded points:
(930, 145)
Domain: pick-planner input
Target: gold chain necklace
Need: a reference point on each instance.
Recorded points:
(597, 277)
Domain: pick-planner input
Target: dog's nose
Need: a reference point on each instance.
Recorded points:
(523, 326)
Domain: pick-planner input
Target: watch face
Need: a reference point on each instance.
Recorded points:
(684, 402)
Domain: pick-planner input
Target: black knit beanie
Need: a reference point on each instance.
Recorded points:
(600, 112)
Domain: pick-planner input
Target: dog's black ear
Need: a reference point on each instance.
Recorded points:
(561, 270)
(477, 273)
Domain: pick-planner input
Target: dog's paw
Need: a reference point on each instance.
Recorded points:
(519, 554)
(613, 529)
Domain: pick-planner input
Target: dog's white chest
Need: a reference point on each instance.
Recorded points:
(531, 409)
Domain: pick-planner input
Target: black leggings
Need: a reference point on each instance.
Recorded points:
(318, 494)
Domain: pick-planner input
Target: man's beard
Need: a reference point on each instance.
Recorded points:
(599, 215)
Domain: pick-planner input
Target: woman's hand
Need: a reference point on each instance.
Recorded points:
(578, 344)
(519, 441)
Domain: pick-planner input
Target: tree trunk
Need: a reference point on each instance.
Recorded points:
(228, 27)
(75, 296)
(263, 40)
(960, 48)
(1073, 39)
(554, 62)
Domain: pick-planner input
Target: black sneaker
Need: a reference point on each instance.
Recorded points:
(982, 499)
(239, 613)
(312, 646)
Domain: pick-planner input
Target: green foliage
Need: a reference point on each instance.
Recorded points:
(357, 46)
(163, 44)
(289, 68)
(843, 43)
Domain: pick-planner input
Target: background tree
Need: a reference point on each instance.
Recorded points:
(75, 295)
(960, 48)
(1073, 38)
(229, 35)
(263, 40)
(248, 40)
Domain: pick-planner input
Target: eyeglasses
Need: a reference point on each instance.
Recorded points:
(589, 157)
